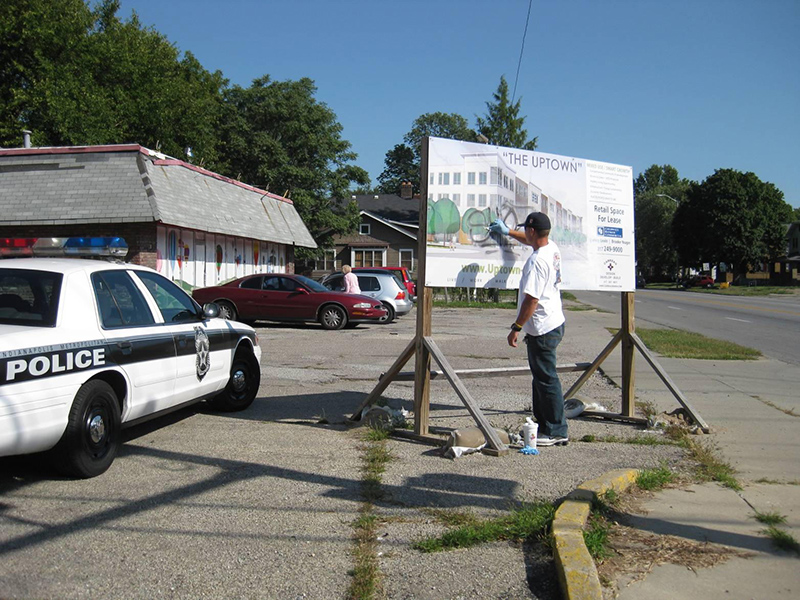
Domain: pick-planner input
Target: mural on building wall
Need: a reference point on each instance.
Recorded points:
(198, 259)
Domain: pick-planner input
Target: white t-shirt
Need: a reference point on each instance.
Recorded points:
(541, 277)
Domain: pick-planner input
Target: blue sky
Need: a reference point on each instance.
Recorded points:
(698, 84)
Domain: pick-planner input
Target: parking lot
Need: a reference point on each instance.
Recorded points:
(260, 504)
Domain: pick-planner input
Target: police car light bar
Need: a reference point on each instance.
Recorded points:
(73, 246)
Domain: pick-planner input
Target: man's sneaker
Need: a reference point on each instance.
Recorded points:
(556, 440)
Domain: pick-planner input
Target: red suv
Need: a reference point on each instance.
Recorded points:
(401, 273)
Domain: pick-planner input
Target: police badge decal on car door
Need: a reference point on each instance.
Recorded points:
(203, 350)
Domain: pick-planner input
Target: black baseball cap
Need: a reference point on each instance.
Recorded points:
(537, 220)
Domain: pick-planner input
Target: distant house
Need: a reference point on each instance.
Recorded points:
(190, 224)
(387, 235)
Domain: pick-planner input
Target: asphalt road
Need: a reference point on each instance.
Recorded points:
(770, 324)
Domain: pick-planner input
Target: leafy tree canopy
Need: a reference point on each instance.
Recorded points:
(437, 124)
(400, 167)
(731, 217)
(502, 124)
(277, 136)
(656, 193)
(78, 76)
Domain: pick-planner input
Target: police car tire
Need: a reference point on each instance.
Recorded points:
(226, 310)
(242, 386)
(78, 453)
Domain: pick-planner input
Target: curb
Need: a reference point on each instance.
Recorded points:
(577, 572)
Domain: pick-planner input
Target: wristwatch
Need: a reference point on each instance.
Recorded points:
(516, 327)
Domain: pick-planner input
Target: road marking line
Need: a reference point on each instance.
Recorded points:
(740, 320)
(674, 308)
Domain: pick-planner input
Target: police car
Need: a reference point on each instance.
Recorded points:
(88, 347)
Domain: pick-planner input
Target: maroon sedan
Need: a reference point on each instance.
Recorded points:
(280, 297)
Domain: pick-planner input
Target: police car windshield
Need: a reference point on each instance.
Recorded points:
(29, 297)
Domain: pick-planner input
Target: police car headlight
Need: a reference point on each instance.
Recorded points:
(362, 305)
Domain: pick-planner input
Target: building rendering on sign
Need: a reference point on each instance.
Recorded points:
(484, 186)
(192, 225)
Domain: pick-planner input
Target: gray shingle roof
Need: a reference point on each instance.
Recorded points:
(130, 184)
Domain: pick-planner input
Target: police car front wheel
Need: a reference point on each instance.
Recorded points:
(242, 386)
(92, 437)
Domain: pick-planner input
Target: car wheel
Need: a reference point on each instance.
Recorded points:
(708, 286)
(333, 317)
(242, 385)
(226, 310)
(390, 315)
(91, 440)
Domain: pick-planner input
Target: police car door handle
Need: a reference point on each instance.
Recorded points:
(126, 347)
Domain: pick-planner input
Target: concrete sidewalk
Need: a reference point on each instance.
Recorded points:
(753, 410)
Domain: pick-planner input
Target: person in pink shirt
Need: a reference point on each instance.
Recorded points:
(350, 281)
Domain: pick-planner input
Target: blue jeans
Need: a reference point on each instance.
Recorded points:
(548, 399)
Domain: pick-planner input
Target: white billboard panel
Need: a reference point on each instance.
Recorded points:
(590, 205)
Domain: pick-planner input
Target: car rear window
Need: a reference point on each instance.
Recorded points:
(29, 297)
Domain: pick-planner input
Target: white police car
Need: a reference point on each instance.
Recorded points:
(89, 346)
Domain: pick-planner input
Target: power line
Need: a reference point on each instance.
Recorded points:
(519, 64)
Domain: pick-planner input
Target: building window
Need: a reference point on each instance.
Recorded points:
(431, 179)
(368, 257)
(470, 178)
(326, 262)
(482, 178)
(440, 196)
(407, 259)
(495, 175)
(481, 199)
(444, 178)
(430, 197)
(470, 199)
(364, 229)
(456, 199)
(456, 178)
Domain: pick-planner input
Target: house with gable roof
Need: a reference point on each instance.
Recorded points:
(386, 236)
(194, 226)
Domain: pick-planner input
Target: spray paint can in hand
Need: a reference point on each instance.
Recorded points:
(529, 432)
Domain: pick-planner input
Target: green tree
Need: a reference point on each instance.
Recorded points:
(502, 124)
(400, 167)
(796, 214)
(657, 191)
(437, 124)
(731, 217)
(277, 136)
(78, 76)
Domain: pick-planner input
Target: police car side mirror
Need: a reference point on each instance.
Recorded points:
(211, 310)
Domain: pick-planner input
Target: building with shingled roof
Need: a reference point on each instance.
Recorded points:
(192, 225)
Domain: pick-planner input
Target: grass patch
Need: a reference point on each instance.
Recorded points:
(783, 540)
(770, 518)
(579, 307)
(711, 467)
(637, 440)
(523, 522)
(676, 343)
(365, 582)
(747, 290)
(654, 479)
(568, 296)
(472, 304)
(366, 579)
(767, 481)
(595, 536)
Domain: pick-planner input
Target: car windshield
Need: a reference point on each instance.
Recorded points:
(311, 284)
(29, 297)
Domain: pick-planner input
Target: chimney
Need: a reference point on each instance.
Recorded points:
(406, 190)
(26, 138)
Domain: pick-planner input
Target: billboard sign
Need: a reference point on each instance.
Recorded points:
(589, 203)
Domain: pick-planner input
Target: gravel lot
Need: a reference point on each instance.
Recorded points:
(260, 504)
